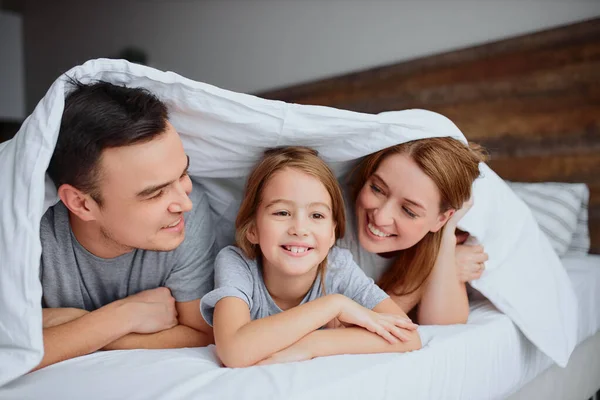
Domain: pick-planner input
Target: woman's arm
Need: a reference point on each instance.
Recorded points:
(444, 300)
(241, 342)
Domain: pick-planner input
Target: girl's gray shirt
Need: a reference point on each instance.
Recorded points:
(238, 276)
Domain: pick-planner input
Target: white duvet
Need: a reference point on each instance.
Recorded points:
(489, 358)
(224, 133)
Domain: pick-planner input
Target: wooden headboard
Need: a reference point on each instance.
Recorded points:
(533, 101)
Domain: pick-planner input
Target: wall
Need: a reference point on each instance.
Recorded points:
(256, 45)
(12, 67)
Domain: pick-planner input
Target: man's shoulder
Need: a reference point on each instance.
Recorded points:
(54, 225)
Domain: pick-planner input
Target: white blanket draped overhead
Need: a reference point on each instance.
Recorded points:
(224, 133)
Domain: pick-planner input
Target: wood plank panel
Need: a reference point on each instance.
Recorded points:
(533, 101)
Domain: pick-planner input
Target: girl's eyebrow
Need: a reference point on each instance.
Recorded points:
(291, 203)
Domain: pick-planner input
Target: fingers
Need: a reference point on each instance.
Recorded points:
(396, 331)
(401, 322)
(379, 328)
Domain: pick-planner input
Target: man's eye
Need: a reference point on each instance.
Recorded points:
(157, 195)
(281, 213)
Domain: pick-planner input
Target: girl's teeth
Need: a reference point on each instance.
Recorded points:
(296, 249)
(377, 232)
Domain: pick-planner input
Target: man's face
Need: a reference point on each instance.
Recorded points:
(144, 190)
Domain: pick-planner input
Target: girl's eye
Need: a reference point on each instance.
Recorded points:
(409, 213)
(375, 188)
(281, 213)
(318, 216)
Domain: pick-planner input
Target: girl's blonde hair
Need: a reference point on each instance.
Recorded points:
(303, 159)
(453, 167)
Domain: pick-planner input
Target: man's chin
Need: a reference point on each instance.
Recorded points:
(164, 246)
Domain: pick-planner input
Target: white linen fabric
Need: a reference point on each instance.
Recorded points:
(224, 133)
(488, 358)
(560, 209)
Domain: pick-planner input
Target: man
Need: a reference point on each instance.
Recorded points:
(128, 251)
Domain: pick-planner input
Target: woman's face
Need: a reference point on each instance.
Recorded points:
(397, 206)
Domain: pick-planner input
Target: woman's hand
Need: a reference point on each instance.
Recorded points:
(389, 326)
(453, 221)
(470, 261)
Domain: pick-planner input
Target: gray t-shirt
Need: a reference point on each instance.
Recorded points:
(71, 276)
(238, 276)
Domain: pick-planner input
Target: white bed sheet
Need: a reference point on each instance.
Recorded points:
(488, 358)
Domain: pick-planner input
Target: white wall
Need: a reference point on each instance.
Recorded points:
(12, 68)
(255, 45)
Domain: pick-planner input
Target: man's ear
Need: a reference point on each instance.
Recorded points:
(252, 234)
(79, 203)
(442, 219)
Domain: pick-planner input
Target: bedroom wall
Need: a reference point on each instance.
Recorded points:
(256, 45)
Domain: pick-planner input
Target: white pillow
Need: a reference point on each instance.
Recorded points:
(560, 209)
(224, 133)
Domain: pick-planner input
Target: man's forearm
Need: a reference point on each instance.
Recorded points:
(328, 342)
(84, 335)
(177, 337)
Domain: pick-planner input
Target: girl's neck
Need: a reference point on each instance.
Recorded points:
(287, 291)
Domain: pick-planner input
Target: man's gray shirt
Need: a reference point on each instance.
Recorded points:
(238, 276)
(73, 277)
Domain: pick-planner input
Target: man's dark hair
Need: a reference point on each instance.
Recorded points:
(99, 116)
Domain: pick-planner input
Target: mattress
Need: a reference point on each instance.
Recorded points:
(486, 358)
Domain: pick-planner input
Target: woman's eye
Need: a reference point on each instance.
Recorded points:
(376, 189)
(409, 213)
(281, 213)
(318, 216)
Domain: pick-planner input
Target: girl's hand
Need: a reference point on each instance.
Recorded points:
(470, 262)
(389, 326)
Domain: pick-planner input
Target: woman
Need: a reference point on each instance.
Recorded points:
(407, 202)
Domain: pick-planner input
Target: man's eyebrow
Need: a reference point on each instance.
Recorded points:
(155, 188)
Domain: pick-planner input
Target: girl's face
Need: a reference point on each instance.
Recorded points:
(397, 206)
(294, 223)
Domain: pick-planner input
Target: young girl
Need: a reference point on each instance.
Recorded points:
(284, 280)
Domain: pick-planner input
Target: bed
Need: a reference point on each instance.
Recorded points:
(490, 357)
(448, 367)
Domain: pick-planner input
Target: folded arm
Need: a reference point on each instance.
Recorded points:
(242, 342)
(191, 331)
(148, 320)
(354, 340)
(84, 334)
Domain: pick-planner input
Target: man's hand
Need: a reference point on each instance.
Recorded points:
(151, 310)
